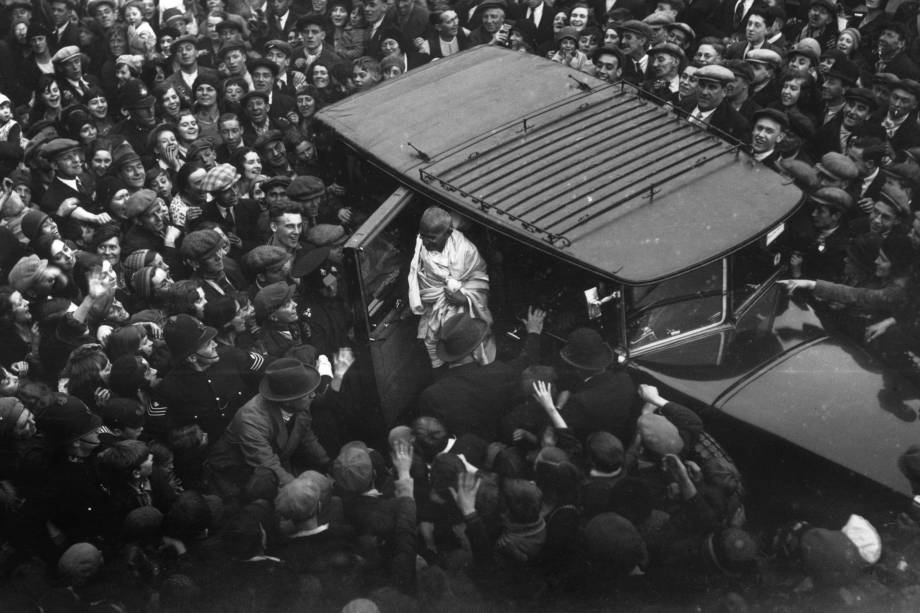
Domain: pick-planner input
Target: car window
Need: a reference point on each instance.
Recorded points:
(679, 305)
(752, 267)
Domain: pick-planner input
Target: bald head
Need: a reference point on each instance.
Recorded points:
(434, 228)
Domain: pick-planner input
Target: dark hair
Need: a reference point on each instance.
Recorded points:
(238, 157)
(225, 117)
(127, 373)
(556, 477)
(104, 233)
(768, 16)
(181, 297)
(523, 500)
(873, 149)
(125, 342)
(6, 305)
(282, 208)
(122, 458)
(189, 516)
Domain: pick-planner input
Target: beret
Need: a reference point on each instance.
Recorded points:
(220, 178)
(305, 187)
(200, 244)
(59, 146)
(25, 272)
(32, 223)
(774, 114)
(636, 27)
(837, 166)
(65, 53)
(567, 32)
(140, 203)
(265, 257)
(670, 49)
(764, 56)
(270, 298)
(714, 72)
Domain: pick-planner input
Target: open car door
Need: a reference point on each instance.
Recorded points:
(377, 258)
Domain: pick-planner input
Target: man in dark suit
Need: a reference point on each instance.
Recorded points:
(713, 109)
(820, 251)
(375, 13)
(756, 28)
(69, 194)
(281, 21)
(264, 73)
(768, 132)
(313, 29)
(634, 39)
(892, 52)
(448, 38)
(65, 32)
(850, 122)
(540, 14)
(900, 122)
(68, 62)
(185, 54)
(470, 398)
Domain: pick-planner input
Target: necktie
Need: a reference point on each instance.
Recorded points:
(739, 13)
(79, 185)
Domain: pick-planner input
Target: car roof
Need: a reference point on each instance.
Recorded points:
(587, 170)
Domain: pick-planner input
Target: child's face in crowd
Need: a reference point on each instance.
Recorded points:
(6, 112)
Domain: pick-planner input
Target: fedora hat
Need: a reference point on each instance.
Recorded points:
(288, 379)
(459, 336)
(585, 349)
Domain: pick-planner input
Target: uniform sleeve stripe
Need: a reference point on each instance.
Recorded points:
(257, 362)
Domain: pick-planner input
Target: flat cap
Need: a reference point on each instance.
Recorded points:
(861, 94)
(229, 46)
(908, 85)
(808, 47)
(893, 25)
(669, 49)
(220, 178)
(659, 19)
(682, 27)
(268, 138)
(200, 244)
(636, 27)
(276, 181)
(845, 70)
(271, 298)
(305, 187)
(280, 45)
(773, 114)
(837, 166)
(65, 53)
(833, 197)
(197, 146)
(326, 234)
(714, 72)
(187, 38)
(141, 202)
(764, 56)
(312, 19)
(229, 24)
(741, 69)
(255, 94)
(265, 257)
(261, 62)
(493, 4)
(59, 146)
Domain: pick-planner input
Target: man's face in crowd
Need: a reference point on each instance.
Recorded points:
(133, 174)
(756, 29)
(832, 89)
(206, 158)
(664, 65)
(883, 218)
(608, 67)
(186, 54)
(900, 103)
(679, 38)
(855, 114)
(280, 7)
(154, 219)
(235, 62)
(262, 79)
(706, 54)
(257, 110)
(73, 68)
(59, 13)
(765, 135)
(856, 154)
(632, 44)
(313, 36)
(105, 16)
(762, 72)
(144, 116)
(275, 154)
(688, 84)
(374, 11)
(434, 238)
(709, 94)
(69, 164)
(229, 197)
(818, 16)
(404, 7)
(492, 20)
(279, 58)
(890, 42)
(288, 229)
(800, 62)
(162, 186)
(449, 25)
(231, 133)
(212, 265)
(824, 217)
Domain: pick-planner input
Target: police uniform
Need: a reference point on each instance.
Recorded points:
(210, 398)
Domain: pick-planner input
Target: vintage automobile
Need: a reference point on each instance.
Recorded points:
(612, 212)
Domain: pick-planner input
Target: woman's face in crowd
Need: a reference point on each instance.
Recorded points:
(101, 161)
(706, 54)
(118, 204)
(86, 37)
(62, 255)
(123, 73)
(98, 107)
(117, 44)
(845, 43)
(188, 128)
(52, 96)
(392, 72)
(252, 165)
(338, 15)
(578, 19)
(388, 46)
(166, 141)
(321, 76)
(39, 44)
(611, 38)
(88, 133)
(20, 308)
(357, 15)
(306, 105)
(9, 383)
(233, 93)
(171, 102)
(110, 250)
(882, 265)
(560, 20)
(206, 95)
(789, 95)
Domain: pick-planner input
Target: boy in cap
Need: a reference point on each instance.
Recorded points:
(203, 252)
(276, 313)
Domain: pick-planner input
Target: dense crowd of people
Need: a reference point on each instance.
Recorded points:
(187, 421)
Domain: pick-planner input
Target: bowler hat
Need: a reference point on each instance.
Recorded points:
(263, 63)
(459, 336)
(585, 349)
(288, 379)
(185, 335)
